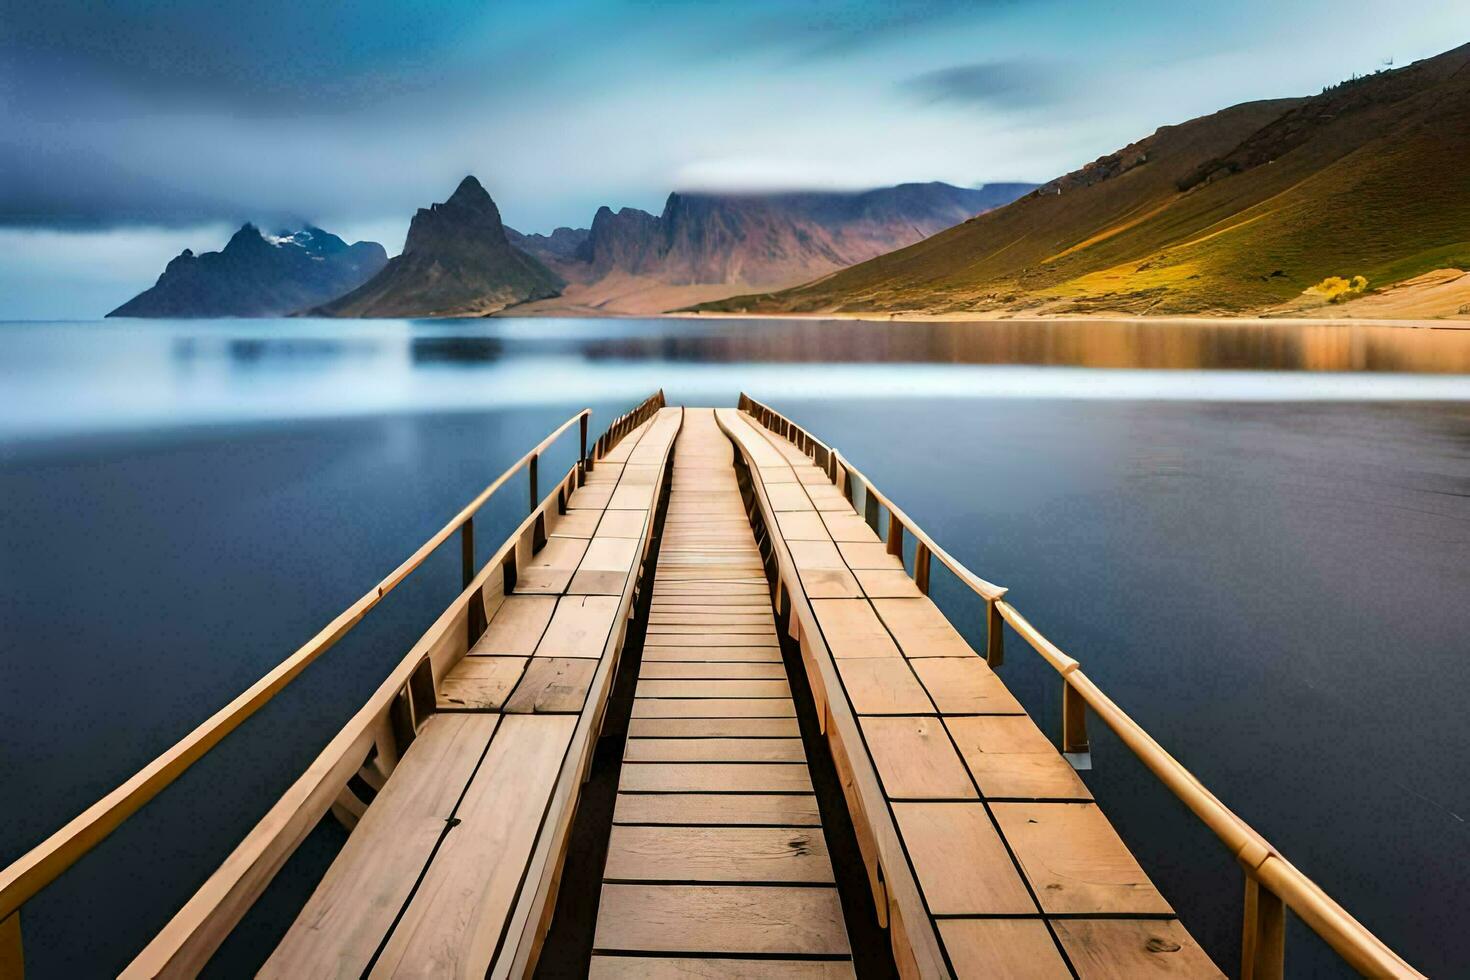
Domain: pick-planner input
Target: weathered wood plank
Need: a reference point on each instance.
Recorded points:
(579, 627)
(714, 750)
(965, 685)
(713, 708)
(720, 919)
(915, 759)
(552, 685)
(852, 629)
(1002, 948)
(962, 864)
(1122, 949)
(769, 854)
(707, 777)
(714, 968)
(1010, 757)
(718, 809)
(353, 907)
(516, 627)
(480, 683)
(713, 727)
(454, 921)
(1075, 861)
(883, 686)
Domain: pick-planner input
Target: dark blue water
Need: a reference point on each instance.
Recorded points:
(1255, 538)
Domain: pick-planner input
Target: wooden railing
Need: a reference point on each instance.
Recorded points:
(381, 729)
(1272, 884)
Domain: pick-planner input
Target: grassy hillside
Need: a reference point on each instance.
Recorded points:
(1240, 211)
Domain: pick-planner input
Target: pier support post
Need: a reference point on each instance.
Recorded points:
(467, 552)
(1263, 937)
(921, 567)
(1075, 747)
(995, 651)
(12, 955)
(531, 469)
(584, 462)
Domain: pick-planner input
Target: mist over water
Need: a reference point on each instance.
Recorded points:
(1253, 536)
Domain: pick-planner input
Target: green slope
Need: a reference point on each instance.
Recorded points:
(1235, 212)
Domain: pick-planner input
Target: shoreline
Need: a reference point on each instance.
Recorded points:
(1132, 318)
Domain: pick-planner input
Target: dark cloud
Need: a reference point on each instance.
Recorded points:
(1004, 84)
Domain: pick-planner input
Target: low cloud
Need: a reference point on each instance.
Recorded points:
(1001, 84)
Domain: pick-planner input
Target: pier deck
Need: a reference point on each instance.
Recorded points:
(716, 848)
(461, 778)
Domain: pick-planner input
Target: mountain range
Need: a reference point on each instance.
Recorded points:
(457, 261)
(459, 258)
(1304, 205)
(258, 275)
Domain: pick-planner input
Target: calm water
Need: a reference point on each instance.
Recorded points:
(1254, 537)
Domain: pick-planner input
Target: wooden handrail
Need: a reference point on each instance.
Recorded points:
(41, 865)
(1265, 868)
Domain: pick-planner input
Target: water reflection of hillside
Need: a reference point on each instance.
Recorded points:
(1073, 343)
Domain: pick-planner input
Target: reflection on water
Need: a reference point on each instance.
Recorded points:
(1171, 344)
(81, 378)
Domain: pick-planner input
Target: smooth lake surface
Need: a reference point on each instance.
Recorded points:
(1255, 537)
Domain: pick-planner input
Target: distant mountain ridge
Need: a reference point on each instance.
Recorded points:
(1249, 209)
(703, 242)
(258, 275)
(457, 261)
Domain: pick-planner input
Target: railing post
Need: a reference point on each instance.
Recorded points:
(467, 552)
(1263, 937)
(584, 462)
(870, 507)
(531, 469)
(1075, 747)
(12, 954)
(921, 567)
(895, 537)
(995, 651)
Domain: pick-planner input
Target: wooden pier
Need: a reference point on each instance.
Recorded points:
(982, 850)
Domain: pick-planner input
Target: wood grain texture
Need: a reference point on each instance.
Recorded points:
(965, 685)
(713, 708)
(1075, 861)
(1126, 949)
(451, 926)
(516, 627)
(883, 686)
(921, 628)
(580, 627)
(711, 854)
(915, 759)
(692, 777)
(852, 629)
(1002, 948)
(1010, 757)
(480, 683)
(715, 968)
(961, 862)
(714, 750)
(551, 685)
(353, 907)
(713, 727)
(784, 810)
(720, 919)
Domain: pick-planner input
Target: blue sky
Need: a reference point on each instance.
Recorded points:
(131, 130)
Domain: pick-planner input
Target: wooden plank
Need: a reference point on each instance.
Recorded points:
(830, 583)
(1002, 948)
(797, 525)
(962, 864)
(965, 685)
(454, 921)
(605, 566)
(766, 627)
(1122, 949)
(852, 629)
(580, 627)
(550, 569)
(720, 919)
(623, 524)
(480, 683)
(921, 628)
(815, 555)
(718, 809)
(713, 708)
(883, 686)
(551, 685)
(769, 854)
(1075, 861)
(592, 496)
(715, 968)
(632, 497)
(744, 654)
(788, 496)
(516, 627)
(1010, 757)
(704, 640)
(700, 777)
(662, 670)
(915, 759)
(713, 689)
(847, 526)
(354, 905)
(887, 583)
(713, 728)
(713, 750)
(576, 524)
(825, 496)
(868, 554)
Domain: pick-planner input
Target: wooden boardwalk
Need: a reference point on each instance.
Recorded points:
(716, 848)
(1003, 866)
(461, 777)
